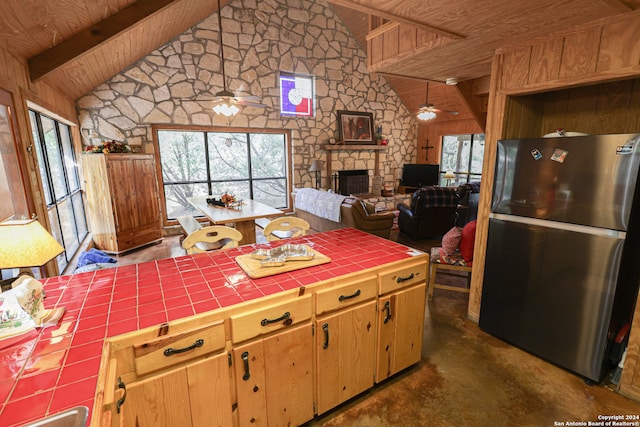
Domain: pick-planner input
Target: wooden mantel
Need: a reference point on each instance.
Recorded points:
(347, 147)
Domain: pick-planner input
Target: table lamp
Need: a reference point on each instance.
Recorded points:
(316, 166)
(25, 244)
(449, 175)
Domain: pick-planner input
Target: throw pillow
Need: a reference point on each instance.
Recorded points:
(468, 240)
(451, 240)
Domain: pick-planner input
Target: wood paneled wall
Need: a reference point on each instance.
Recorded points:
(430, 134)
(14, 79)
(392, 40)
(585, 80)
(581, 80)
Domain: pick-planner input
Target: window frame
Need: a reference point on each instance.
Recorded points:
(72, 194)
(227, 130)
(468, 175)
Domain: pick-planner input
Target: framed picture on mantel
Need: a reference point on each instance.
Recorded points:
(355, 128)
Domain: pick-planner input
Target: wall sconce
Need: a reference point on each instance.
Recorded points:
(316, 166)
(26, 244)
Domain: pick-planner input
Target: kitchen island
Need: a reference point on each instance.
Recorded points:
(117, 318)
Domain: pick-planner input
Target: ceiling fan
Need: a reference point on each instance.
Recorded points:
(427, 111)
(225, 101)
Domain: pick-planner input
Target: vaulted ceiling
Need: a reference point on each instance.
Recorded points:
(75, 45)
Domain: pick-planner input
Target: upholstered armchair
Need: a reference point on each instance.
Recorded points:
(366, 219)
(432, 212)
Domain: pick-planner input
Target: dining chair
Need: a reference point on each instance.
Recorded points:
(454, 255)
(285, 227)
(214, 237)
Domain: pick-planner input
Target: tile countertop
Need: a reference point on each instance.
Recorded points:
(56, 368)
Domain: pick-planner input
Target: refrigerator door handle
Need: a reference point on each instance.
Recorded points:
(560, 225)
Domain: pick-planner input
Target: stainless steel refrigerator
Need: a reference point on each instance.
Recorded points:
(563, 251)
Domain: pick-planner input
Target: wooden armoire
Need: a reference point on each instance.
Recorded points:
(122, 199)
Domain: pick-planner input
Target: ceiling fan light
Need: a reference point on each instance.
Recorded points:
(226, 109)
(426, 115)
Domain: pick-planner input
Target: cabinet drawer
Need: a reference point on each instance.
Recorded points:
(344, 295)
(169, 350)
(264, 320)
(402, 276)
(133, 238)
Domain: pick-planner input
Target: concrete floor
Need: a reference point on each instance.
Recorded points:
(465, 378)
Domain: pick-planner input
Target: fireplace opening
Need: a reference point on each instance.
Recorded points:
(353, 182)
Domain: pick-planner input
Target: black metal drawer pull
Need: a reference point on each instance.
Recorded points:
(325, 328)
(245, 360)
(344, 297)
(170, 351)
(120, 401)
(266, 322)
(387, 307)
(403, 279)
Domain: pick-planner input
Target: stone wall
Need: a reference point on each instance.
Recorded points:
(176, 83)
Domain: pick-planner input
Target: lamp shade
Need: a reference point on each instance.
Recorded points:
(226, 109)
(426, 115)
(449, 175)
(316, 166)
(25, 243)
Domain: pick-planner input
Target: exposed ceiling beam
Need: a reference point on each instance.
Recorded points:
(396, 18)
(618, 5)
(89, 38)
(473, 102)
(422, 79)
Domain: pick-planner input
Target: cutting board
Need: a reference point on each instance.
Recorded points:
(255, 270)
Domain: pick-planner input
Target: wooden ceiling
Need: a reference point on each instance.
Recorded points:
(75, 45)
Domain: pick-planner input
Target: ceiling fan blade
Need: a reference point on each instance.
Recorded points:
(438, 110)
(430, 107)
(250, 98)
(251, 104)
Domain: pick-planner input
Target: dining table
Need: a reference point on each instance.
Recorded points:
(243, 215)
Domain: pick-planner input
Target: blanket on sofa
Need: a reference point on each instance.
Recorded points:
(320, 203)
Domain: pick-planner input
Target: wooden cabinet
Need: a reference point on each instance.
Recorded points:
(182, 397)
(274, 371)
(274, 381)
(122, 200)
(292, 355)
(173, 379)
(345, 342)
(400, 319)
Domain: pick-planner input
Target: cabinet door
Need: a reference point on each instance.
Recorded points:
(123, 192)
(147, 204)
(345, 349)
(400, 327)
(182, 397)
(249, 369)
(274, 379)
(134, 195)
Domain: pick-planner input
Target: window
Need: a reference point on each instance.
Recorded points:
(463, 155)
(251, 165)
(60, 182)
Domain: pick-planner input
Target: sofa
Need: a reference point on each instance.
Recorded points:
(433, 212)
(353, 212)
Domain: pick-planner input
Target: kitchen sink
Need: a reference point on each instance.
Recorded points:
(74, 417)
